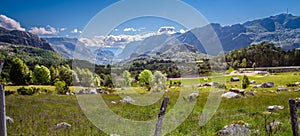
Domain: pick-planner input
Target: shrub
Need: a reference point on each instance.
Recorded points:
(246, 82)
(8, 92)
(26, 91)
(61, 87)
(291, 85)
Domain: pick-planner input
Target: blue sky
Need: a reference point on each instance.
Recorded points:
(70, 15)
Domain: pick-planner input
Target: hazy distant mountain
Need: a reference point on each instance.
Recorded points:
(283, 30)
(68, 46)
(23, 38)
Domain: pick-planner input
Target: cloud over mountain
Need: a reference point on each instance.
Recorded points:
(49, 30)
(112, 40)
(10, 23)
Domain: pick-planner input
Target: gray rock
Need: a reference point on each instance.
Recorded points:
(234, 130)
(234, 79)
(193, 96)
(252, 82)
(250, 94)
(297, 90)
(274, 108)
(280, 89)
(231, 95)
(267, 85)
(127, 99)
(9, 119)
(62, 125)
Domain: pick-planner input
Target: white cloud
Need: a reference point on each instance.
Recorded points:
(49, 30)
(63, 29)
(112, 40)
(166, 30)
(129, 29)
(182, 31)
(74, 31)
(10, 24)
(122, 40)
(116, 30)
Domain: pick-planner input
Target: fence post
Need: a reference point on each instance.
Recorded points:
(161, 114)
(2, 112)
(294, 118)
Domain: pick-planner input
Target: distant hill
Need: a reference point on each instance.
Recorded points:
(30, 55)
(23, 38)
(68, 46)
(283, 30)
(263, 55)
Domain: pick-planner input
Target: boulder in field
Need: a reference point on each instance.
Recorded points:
(193, 96)
(274, 108)
(280, 89)
(252, 82)
(250, 93)
(127, 99)
(234, 130)
(267, 85)
(297, 90)
(234, 79)
(297, 83)
(231, 95)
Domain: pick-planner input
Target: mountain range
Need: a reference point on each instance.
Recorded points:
(283, 30)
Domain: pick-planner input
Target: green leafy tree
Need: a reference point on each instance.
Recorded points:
(145, 78)
(65, 74)
(61, 87)
(41, 75)
(254, 66)
(244, 63)
(53, 73)
(97, 80)
(158, 82)
(245, 82)
(19, 72)
(127, 78)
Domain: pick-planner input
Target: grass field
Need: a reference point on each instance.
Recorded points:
(36, 115)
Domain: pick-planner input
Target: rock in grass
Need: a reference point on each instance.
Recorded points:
(127, 99)
(252, 82)
(231, 95)
(193, 96)
(234, 130)
(280, 89)
(62, 125)
(250, 94)
(274, 108)
(297, 90)
(9, 119)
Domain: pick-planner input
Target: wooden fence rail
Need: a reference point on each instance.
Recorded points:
(161, 115)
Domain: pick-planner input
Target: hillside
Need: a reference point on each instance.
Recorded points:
(23, 38)
(30, 55)
(67, 46)
(283, 30)
(263, 55)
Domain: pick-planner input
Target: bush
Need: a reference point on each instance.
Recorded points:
(8, 92)
(291, 85)
(246, 82)
(61, 87)
(26, 91)
(221, 86)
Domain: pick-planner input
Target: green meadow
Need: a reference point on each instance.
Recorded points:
(37, 114)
